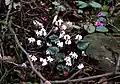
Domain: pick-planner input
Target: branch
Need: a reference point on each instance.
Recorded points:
(85, 79)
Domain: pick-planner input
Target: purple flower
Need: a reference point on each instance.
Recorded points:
(99, 14)
(99, 23)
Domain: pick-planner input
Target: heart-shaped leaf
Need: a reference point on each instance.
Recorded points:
(60, 57)
(81, 4)
(89, 28)
(95, 4)
(82, 44)
(101, 29)
(61, 7)
(53, 50)
(54, 38)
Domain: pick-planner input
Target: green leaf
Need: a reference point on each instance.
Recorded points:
(89, 28)
(104, 13)
(55, 3)
(76, 27)
(102, 19)
(95, 4)
(81, 4)
(53, 50)
(61, 7)
(80, 11)
(60, 57)
(82, 45)
(101, 29)
(54, 38)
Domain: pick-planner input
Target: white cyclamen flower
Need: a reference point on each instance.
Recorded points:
(48, 44)
(24, 65)
(47, 52)
(68, 42)
(39, 42)
(16, 4)
(38, 33)
(63, 27)
(60, 22)
(7, 2)
(36, 23)
(62, 33)
(43, 32)
(73, 55)
(80, 66)
(68, 63)
(41, 59)
(60, 44)
(31, 40)
(33, 58)
(55, 19)
(66, 37)
(44, 62)
(49, 59)
(78, 37)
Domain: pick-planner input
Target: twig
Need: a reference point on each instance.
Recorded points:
(5, 74)
(84, 79)
(18, 43)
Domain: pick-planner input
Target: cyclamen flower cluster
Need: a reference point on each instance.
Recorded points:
(69, 58)
(42, 32)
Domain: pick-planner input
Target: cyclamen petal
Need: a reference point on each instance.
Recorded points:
(66, 37)
(39, 42)
(50, 59)
(68, 42)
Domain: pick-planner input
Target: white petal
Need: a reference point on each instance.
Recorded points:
(68, 42)
(44, 62)
(60, 44)
(33, 58)
(41, 59)
(63, 27)
(39, 42)
(66, 37)
(55, 19)
(48, 44)
(50, 59)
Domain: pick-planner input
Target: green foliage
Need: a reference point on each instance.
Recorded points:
(101, 29)
(89, 28)
(54, 38)
(53, 50)
(82, 44)
(95, 4)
